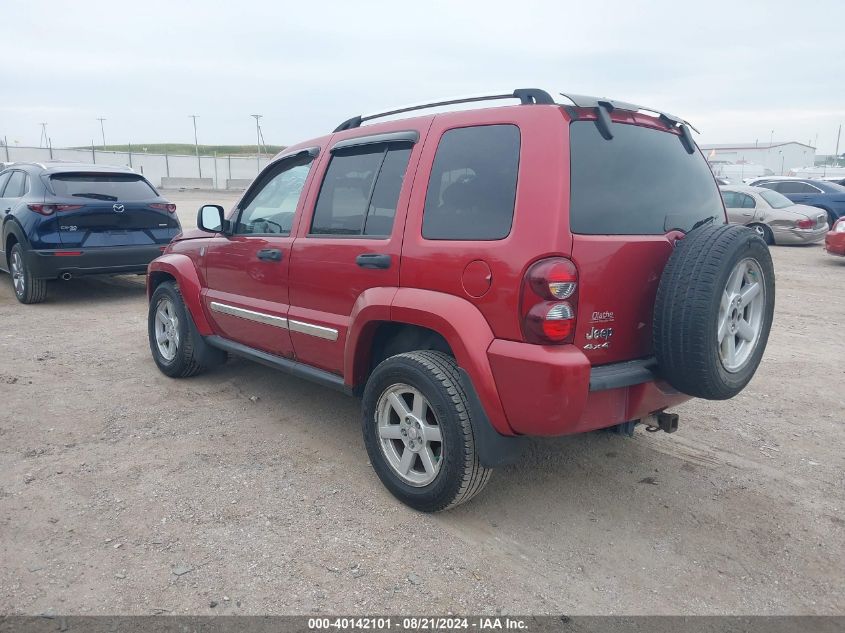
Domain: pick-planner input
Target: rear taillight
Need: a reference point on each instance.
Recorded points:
(162, 206)
(549, 301)
(50, 209)
(806, 223)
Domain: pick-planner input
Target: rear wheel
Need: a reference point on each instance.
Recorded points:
(764, 232)
(177, 348)
(418, 433)
(27, 288)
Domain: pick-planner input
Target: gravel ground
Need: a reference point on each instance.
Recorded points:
(247, 491)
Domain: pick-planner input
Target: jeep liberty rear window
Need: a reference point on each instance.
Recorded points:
(102, 186)
(640, 182)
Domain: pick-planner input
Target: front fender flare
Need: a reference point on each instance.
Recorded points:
(182, 269)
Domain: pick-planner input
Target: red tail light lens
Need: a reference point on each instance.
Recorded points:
(161, 206)
(50, 209)
(549, 301)
(806, 223)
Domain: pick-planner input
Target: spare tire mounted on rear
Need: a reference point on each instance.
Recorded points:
(713, 311)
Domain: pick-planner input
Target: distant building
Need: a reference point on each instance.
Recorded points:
(781, 158)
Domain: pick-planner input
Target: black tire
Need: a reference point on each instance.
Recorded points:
(764, 232)
(193, 355)
(435, 375)
(687, 310)
(31, 290)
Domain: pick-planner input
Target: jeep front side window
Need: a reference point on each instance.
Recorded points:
(271, 209)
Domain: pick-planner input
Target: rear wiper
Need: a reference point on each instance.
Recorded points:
(701, 222)
(672, 217)
(96, 196)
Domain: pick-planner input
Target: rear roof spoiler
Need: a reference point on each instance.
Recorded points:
(604, 107)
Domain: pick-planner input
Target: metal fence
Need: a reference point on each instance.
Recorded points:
(217, 172)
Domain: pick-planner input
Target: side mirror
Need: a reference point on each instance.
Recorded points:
(210, 218)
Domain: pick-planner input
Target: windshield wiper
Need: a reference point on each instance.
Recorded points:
(96, 196)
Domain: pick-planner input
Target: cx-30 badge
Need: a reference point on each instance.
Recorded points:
(118, 208)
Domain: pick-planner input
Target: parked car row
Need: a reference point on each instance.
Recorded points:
(823, 194)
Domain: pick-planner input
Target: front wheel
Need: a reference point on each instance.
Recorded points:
(418, 433)
(177, 348)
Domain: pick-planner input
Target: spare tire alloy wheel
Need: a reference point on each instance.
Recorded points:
(409, 435)
(713, 311)
(741, 314)
(166, 326)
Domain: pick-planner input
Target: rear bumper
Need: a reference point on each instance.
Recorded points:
(834, 243)
(555, 390)
(799, 236)
(52, 263)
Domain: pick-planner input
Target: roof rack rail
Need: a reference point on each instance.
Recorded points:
(526, 96)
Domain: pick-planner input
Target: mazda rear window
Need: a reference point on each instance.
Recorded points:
(640, 182)
(106, 187)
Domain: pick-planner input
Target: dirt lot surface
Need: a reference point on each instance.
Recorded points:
(123, 491)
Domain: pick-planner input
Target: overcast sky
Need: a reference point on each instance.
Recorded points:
(737, 70)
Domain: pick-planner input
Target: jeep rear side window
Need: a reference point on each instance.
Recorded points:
(640, 182)
(472, 188)
(360, 191)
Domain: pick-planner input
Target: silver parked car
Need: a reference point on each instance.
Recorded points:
(775, 217)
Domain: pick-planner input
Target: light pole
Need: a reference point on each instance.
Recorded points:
(196, 143)
(103, 131)
(43, 140)
(257, 141)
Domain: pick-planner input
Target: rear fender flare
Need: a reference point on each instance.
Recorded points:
(12, 227)
(468, 335)
(182, 269)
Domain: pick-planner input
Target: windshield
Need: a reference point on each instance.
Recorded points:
(107, 187)
(776, 200)
(641, 182)
(832, 187)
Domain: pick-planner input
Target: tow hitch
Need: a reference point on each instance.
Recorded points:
(661, 421)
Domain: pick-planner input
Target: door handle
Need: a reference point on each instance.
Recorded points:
(373, 260)
(747, 215)
(270, 254)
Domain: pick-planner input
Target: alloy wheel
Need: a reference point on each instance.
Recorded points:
(740, 319)
(166, 329)
(409, 434)
(18, 274)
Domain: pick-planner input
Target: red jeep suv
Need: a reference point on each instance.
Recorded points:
(549, 267)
